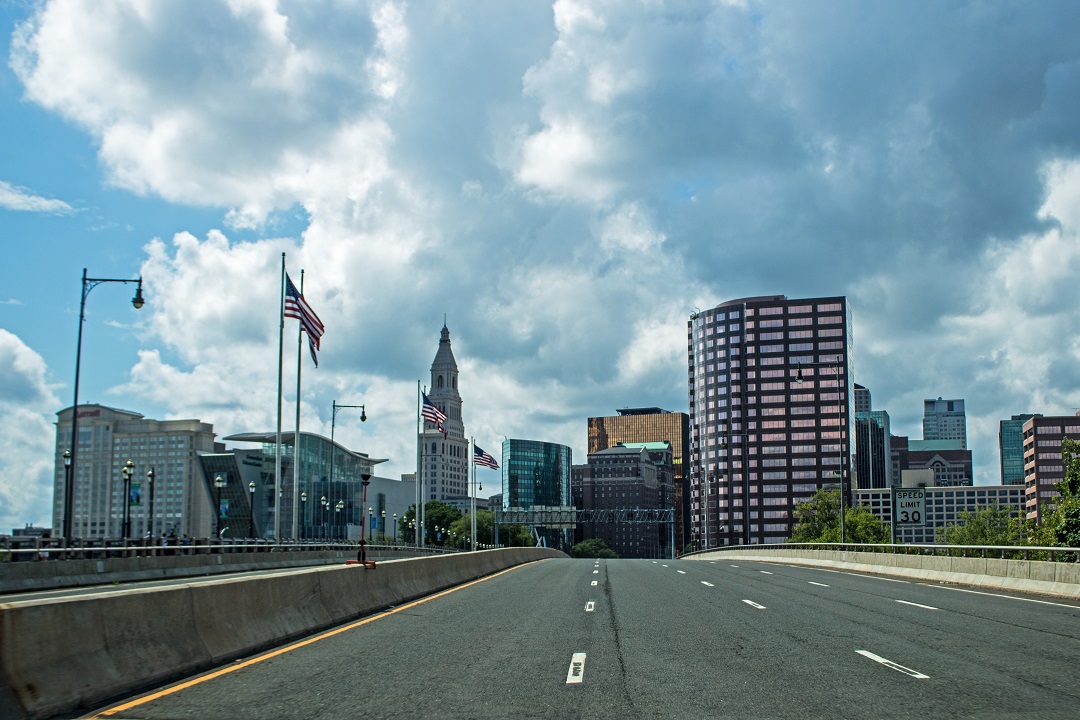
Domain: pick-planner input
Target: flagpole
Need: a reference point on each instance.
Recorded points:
(296, 435)
(420, 438)
(277, 446)
(472, 468)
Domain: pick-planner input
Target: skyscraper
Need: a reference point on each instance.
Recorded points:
(945, 420)
(1011, 447)
(761, 441)
(445, 456)
(536, 474)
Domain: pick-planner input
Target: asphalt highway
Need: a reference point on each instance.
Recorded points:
(663, 639)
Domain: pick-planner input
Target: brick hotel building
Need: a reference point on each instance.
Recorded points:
(760, 440)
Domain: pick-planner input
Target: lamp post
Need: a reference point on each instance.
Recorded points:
(67, 484)
(303, 513)
(395, 528)
(326, 516)
(251, 508)
(334, 407)
(371, 521)
(88, 284)
(384, 527)
(337, 516)
(150, 522)
(127, 471)
(219, 483)
(837, 366)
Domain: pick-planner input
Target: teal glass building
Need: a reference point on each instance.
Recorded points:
(537, 474)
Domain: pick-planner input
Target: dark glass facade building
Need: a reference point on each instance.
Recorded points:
(537, 474)
(652, 425)
(761, 441)
(1011, 446)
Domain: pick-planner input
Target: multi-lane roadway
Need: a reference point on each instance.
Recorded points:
(680, 639)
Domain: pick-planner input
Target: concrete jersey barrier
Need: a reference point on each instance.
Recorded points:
(64, 654)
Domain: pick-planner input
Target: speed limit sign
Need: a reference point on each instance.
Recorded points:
(909, 506)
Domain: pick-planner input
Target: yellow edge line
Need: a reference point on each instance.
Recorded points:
(288, 648)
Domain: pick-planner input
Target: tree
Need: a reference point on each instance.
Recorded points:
(436, 514)
(592, 548)
(818, 520)
(992, 525)
(1061, 519)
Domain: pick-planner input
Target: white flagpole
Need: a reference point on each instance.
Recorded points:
(296, 435)
(472, 469)
(420, 438)
(277, 446)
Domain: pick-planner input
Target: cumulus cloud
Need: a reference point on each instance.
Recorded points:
(27, 440)
(566, 181)
(13, 197)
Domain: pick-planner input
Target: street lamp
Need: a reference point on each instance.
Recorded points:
(127, 471)
(371, 521)
(88, 284)
(395, 529)
(150, 484)
(219, 483)
(337, 517)
(251, 508)
(303, 513)
(837, 367)
(326, 516)
(67, 484)
(334, 407)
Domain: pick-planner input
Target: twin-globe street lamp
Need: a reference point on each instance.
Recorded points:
(334, 407)
(127, 471)
(88, 284)
(219, 483)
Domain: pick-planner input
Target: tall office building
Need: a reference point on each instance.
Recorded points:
(445, 458)
(1011, 448)
(945, 420)
(536, 475)
(873, 450)
(630, 476)
(108, 438)
(862, 399)
(651, 425)
(1043, 465)
(761, 440)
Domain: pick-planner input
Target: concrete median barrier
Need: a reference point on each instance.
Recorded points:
(62, 655)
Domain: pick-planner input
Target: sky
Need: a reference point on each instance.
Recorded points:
(564, 182)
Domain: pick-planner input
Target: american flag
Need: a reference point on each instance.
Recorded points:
(482, 458)
(296, 307)
(433, 414)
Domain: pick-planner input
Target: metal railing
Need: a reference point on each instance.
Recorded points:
(16, 549)
(1003, 552)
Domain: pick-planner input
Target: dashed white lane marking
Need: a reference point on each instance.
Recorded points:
(707, 583)
(890, 664)
(734, 566)
(681, 572)
(753, 604)
(595, 572)
(663, 566)
(593, 582)
(764, 572)
(924, 607)
(576, 673)
(712, 562)
(1007, 597)
(817, 583)
(654, 562)
(590, 606)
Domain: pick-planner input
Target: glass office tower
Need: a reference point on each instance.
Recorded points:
(536, 474)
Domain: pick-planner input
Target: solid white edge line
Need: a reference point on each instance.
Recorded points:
(1007, 597)
(576, 673)
(918, 605)
(753, 604)
(890, 664)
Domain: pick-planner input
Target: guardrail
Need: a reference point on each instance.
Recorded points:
(1001, 552)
